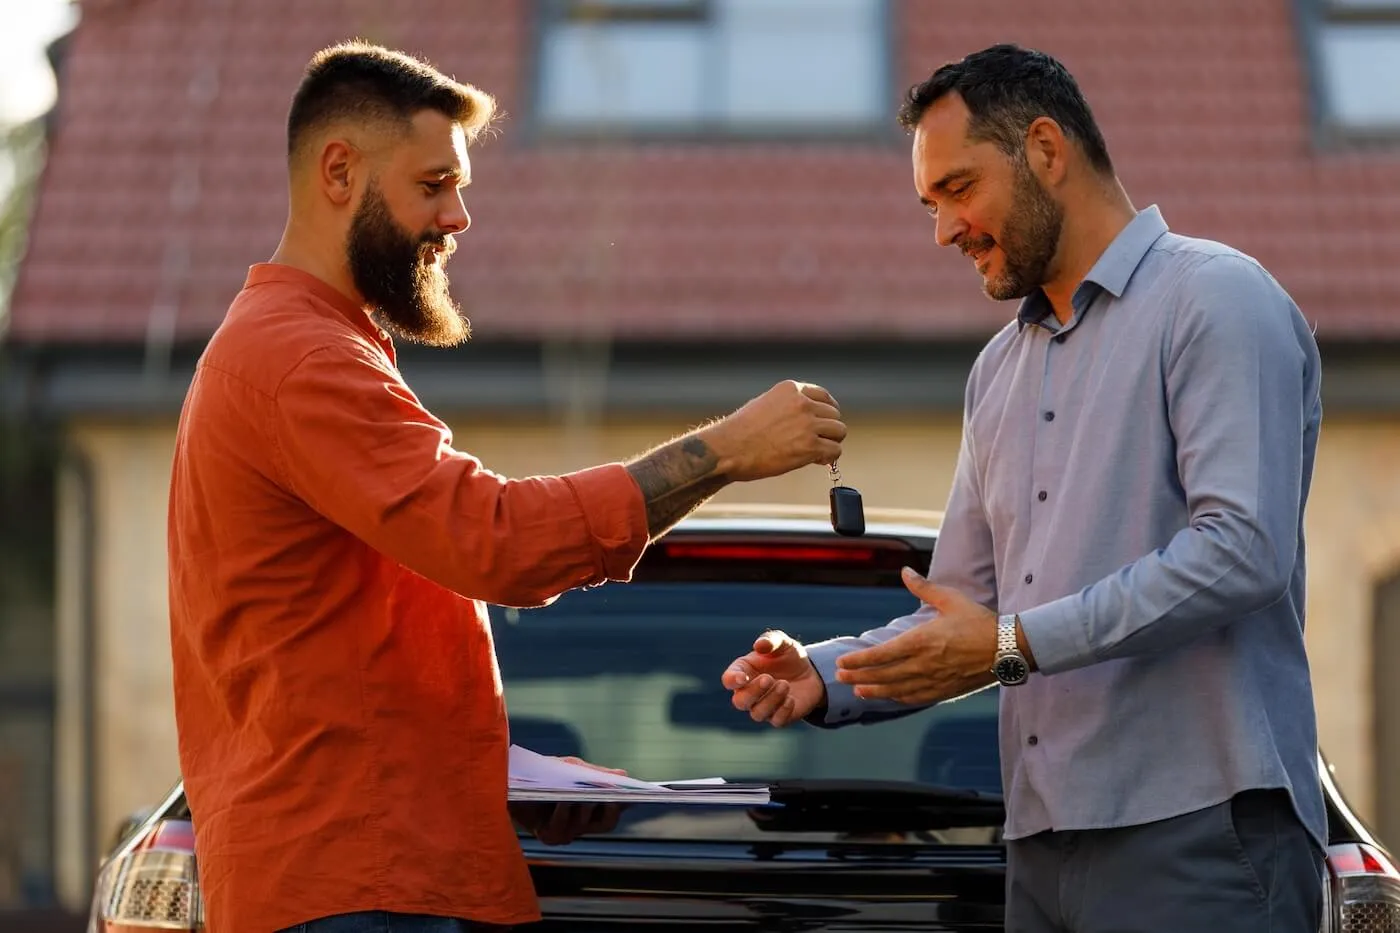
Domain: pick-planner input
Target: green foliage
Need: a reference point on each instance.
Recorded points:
(21, 158)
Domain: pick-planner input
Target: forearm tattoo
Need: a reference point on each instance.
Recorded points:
(675, 479)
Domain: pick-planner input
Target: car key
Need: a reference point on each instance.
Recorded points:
(847, 513)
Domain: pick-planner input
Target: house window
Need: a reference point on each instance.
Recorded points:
(1359, 58)
(739, 67)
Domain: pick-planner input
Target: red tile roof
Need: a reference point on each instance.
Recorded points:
(166, 178)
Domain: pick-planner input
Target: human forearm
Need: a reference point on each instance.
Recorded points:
(1205, 578)
(384, 469)
(675, 479)
(789, 426)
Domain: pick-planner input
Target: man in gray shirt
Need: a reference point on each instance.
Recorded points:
(1122, 549)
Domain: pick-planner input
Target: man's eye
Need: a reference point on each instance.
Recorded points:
(432, 187)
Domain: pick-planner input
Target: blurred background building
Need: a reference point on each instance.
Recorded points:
(687, 201)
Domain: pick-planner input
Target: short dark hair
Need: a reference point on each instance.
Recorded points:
(1006, 88)
(361, 81)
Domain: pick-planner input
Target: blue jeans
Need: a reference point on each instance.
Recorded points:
(377, 921)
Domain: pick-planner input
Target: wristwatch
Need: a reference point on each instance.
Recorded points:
(1010, 665)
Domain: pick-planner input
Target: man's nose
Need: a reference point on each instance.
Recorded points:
(455, 218)
(948, 228)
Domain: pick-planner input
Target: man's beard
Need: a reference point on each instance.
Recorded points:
(399, 279)
(1028, 242)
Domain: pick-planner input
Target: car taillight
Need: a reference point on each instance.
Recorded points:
(154, 886)
(1364, 890)
(768, 551)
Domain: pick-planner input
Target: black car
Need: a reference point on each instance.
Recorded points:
(891, 827)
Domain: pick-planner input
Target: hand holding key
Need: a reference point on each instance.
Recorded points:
(790, 426)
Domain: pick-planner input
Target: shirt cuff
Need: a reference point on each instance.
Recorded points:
(842, 704)
(1057, 636)
(616, 515)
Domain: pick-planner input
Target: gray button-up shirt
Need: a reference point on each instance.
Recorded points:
(1133, 485)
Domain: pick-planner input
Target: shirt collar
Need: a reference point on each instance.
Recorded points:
(1111, 272)
(262, 272)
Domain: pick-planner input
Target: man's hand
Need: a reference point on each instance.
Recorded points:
(556, 824)
(789, 426)
(775, 683)
(792, 425)
(948, 656)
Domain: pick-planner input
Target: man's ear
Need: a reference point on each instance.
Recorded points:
(336, 170)
(1047, 151)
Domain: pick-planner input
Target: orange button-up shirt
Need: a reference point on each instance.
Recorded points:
(342, 729)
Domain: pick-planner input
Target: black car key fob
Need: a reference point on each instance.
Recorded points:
(847, 512)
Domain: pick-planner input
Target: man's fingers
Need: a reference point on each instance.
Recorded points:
(831, 429)
(828, 452)
(605, 818)
(892, 673)
(786, 713)
(745, 697)
(553, 831)
(814, 391)
(896, 649)
(588, 764)
(907, 690)
(770, 702)
(738, 674)
(584, 820)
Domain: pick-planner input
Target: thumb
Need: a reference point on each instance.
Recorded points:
(939, 597)
(773, 643)
(769, 647)
(588, 764)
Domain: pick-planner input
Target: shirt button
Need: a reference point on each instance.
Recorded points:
(1059, 338)
(1032, 741)
(1030, 577)
(1042, 495)
(1049, 416)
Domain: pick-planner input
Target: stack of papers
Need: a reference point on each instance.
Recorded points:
(540, 777)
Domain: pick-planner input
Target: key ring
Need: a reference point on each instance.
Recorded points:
(835, 474)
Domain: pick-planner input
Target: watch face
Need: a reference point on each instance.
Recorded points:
(1011, 670)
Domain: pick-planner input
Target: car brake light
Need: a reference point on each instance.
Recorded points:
(795, 552)
(1364, 889)
(153, 886)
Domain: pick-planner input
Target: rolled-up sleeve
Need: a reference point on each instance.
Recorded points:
(354, 442)
(1240, 392)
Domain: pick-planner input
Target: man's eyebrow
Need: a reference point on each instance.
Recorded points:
(448, 172)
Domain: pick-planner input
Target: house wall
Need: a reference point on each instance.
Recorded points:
(896, 461)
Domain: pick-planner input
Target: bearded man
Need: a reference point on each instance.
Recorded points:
(1122, 548)
(342, 725)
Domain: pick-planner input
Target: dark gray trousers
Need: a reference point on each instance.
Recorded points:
(1243, 866)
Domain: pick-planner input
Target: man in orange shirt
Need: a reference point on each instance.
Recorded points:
(342, 728)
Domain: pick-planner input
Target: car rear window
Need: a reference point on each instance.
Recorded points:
(628, 675)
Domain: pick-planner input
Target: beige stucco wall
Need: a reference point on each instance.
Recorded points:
(1353, 527)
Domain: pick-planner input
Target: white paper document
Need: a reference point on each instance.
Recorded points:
(540, 777)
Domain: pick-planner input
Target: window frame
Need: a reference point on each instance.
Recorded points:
(882, 130)
(1314, 18)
